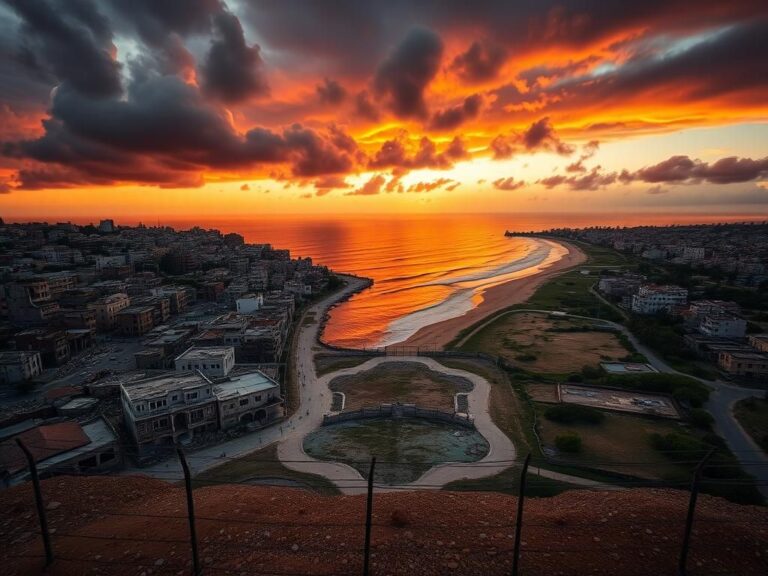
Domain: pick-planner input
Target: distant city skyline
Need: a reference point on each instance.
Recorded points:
(210, 108)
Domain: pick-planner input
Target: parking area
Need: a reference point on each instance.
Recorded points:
(619, 400)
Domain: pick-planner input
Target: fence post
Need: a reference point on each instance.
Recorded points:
(519, 520)
(368, 516)
(190, 512)
(38, 503)
(682, 566)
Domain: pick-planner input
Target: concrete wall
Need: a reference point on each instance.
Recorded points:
(400, 411)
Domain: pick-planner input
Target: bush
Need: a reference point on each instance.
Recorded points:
(701, 418)
(574, 414)
(570, 442)
(591, 373)
(679, 447)
(575, 378)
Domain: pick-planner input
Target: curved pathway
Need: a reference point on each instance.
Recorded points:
(501, 452)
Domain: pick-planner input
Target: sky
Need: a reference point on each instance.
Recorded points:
(189, 108)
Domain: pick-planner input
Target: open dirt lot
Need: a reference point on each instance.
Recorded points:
(621, 400)
(541, 343)
(404, 382)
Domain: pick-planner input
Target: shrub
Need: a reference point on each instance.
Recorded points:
(679, 447)
(701, 418)
(575, 378)
(569, 442)
(591, 373)
(574, 414)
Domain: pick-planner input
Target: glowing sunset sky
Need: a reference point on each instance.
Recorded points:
(204, 107)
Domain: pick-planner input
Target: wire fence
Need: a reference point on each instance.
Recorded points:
(402, 528)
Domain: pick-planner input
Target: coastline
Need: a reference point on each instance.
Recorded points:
(515, 291)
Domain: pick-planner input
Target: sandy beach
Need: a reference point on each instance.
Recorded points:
(496, 298)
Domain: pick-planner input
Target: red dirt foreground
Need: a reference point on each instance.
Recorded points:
(138, 526)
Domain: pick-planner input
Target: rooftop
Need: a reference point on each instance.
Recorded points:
(212, 352)
(244, 384)
(158, 386)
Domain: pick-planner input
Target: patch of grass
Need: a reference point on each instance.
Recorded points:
(327, 363)
(262, 466)
(752, 414)
(403, 382)
(574, 414)
(508, 482)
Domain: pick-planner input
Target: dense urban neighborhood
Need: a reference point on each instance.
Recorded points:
(120, 342)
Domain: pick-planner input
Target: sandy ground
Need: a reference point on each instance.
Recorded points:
(494, 299)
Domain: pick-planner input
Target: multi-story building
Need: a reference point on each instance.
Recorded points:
(248, 398)
(723, 325)
(249, 303)
(135, 320)
(759, 342)
(178, 297)
(59, 282)
(159, 411)
(652, 299)
(29, 303)
(51, 343)
(747, 364)
(108, 308)
(214, 362)
(19, 366)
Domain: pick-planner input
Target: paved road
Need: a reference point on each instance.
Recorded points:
(721, 401)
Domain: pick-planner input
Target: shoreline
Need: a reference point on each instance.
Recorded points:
(512, 292)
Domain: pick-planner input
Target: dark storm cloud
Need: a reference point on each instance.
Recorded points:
(674, 170)
(452, 118)
(233, 71)
(403, 77)
(725, 171)
(365, 108)
(70, 40)
(508, 183)
(393, 154)
(482, 61)
(331, 92)
(540, 135)
(730, 64)
(166, 133)
(155, 19)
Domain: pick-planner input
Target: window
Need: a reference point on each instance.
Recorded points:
(244, 402)
(174, 397)
(196, 415)
(257, 398)
(192, 396)
(139, 407)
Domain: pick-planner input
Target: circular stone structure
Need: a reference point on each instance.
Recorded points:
(405, 448)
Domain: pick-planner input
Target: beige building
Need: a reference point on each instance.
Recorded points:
(747, 364)
(135, 320)
(759, 342)
(107, 310)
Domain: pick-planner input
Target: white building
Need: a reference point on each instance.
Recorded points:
(109, 261)
(18, 367)
(249, 303)
(161, 410)
(652, 299)
(723, 326)
(214, 362)
(248, 398)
